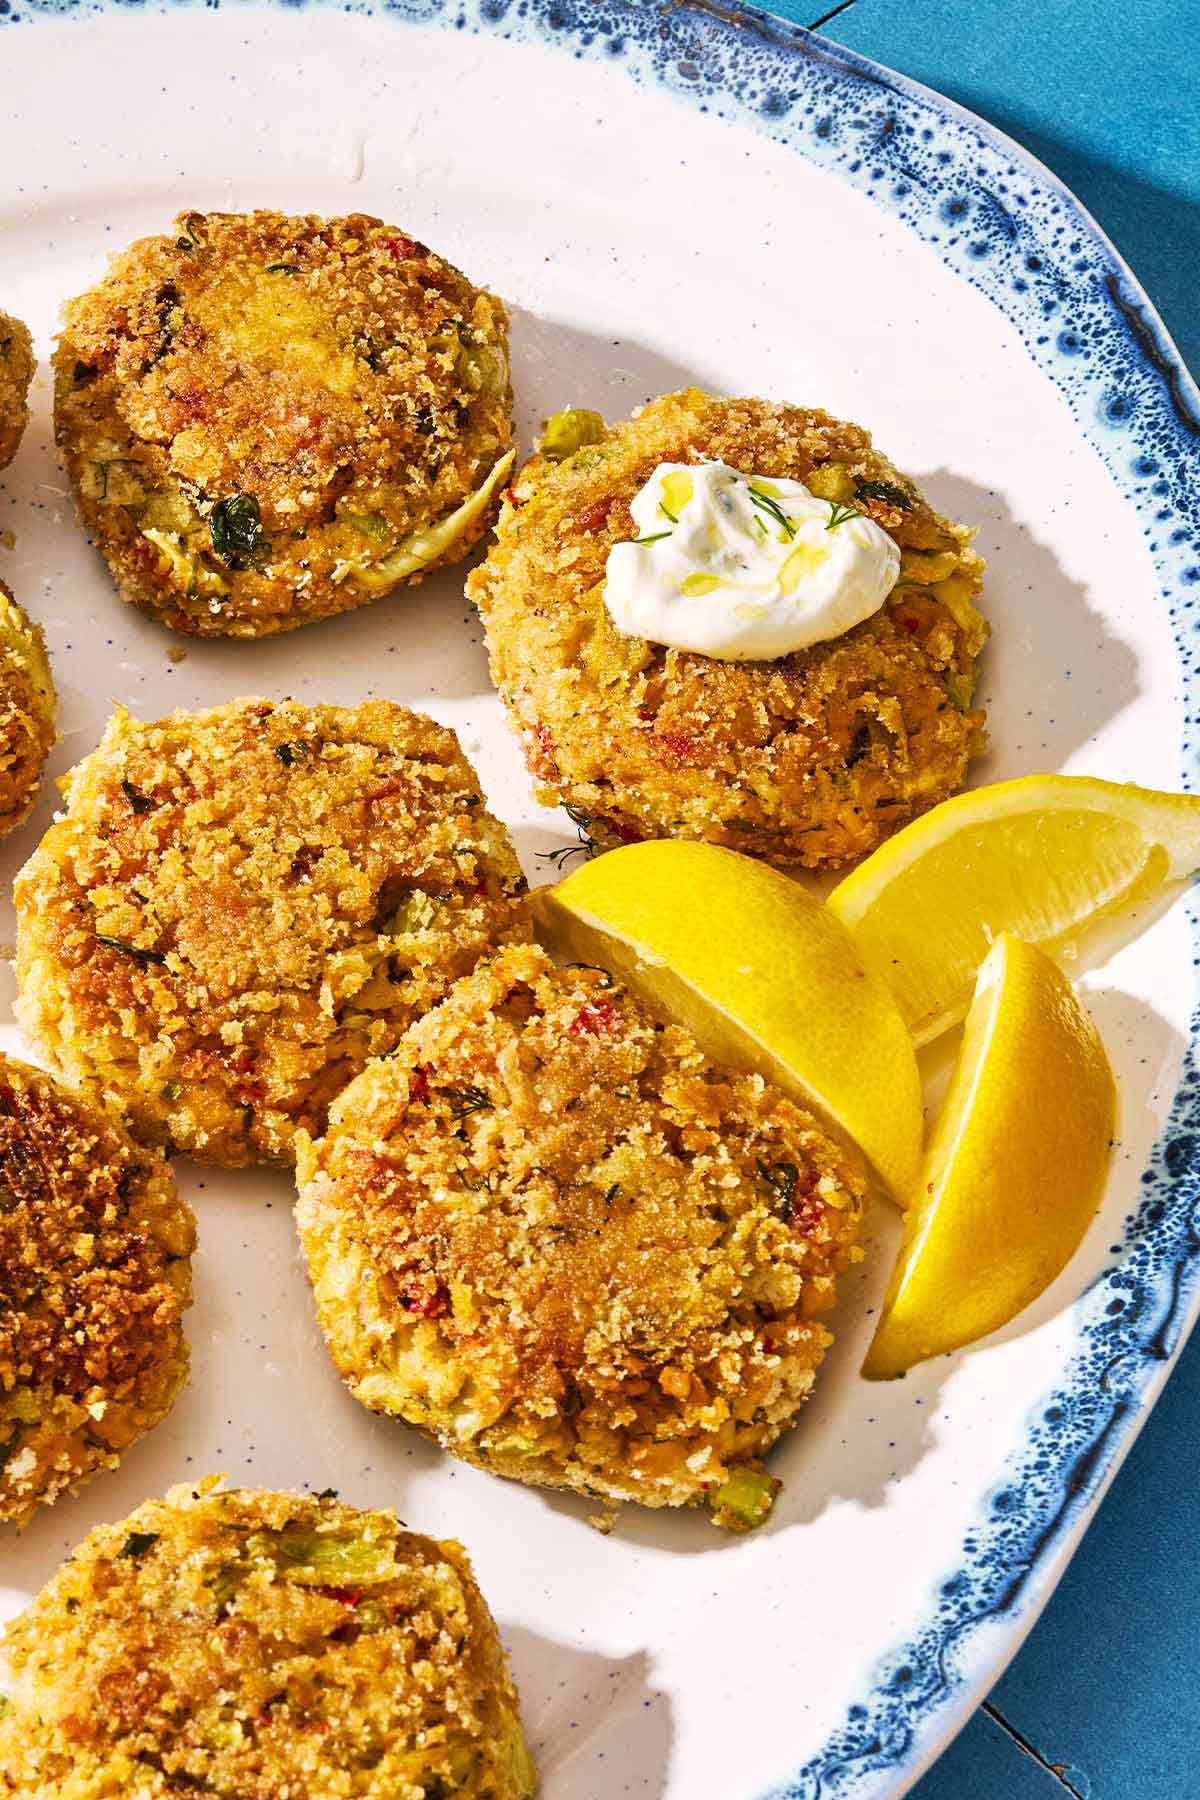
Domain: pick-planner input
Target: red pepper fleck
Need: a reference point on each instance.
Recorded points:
(911, 624)
(677, 744)
(806, 1210)
(347, 1596)
(510, 494)
(542, 761)
(595, 1018)
(416, 1299)
(596, 515)
(400, 248)
(418, 1087)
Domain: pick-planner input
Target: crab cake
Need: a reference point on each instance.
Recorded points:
(267, 420)
(808, 759)
(554, 1236)
(253, 1643)
(241, 906)
(28, 706)
(16, 373)
(95, 1274)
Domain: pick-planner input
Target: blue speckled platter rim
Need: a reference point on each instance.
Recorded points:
(1001, 221)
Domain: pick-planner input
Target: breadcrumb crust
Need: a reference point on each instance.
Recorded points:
(555, 1237)
(253, 409)
(811, 759)
(95, 1248)
(241, 906)
(17, 365)
(28, 709)
(254, 1643)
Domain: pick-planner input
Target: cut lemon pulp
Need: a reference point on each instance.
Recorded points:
(761, 974)
(1015, 1169)
(1042, 857)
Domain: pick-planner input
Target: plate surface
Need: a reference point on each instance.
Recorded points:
(685, 195)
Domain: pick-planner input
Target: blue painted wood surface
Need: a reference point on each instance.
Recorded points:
(1101, 1702)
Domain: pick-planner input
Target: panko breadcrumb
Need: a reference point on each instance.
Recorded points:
(554, 1236)
(810, 759)
(95, 1274)
(267, 420)
(241, 906)
(28, 707)
(16, 373)
(260, 1644)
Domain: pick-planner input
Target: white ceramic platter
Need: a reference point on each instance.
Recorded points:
(666, 198)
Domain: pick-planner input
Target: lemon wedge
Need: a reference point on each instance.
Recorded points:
(1015, 1168)
(1042, 857)
(761, 974)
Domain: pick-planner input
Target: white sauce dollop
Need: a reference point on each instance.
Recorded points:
(744, 567)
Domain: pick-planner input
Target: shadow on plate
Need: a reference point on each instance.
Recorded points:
(589, 1718)
(1053, 674)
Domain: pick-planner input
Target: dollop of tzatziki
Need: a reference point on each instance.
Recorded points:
(744, 567)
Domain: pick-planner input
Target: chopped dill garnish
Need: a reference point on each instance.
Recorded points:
(780, 1180)
(467, 1100)
(664, 508)
(587, 845)
(657, 536)
(839, 514)
(768, 505)
(283, 269)
(886, 491)
(136, 798)
(142, 956)
(596, 970)
(138, 1542)
(290, 754)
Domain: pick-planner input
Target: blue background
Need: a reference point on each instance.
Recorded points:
(1101, 1701)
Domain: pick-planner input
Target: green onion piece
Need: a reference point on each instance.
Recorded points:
(334, 1559)
(566, 432)
(745, 1500)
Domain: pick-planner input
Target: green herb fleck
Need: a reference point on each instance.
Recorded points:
(655, 537)
(171, 1090)
(780, 1180)
(138, 1542)
(235, 529)
(467, 1100)
(959, 689)
(839, 514)
(293, 753)
(283, 268)
(136, 798)
(887, 491)
(328, 1494)
(123, 944)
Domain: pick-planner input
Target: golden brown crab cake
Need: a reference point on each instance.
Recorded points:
(95, 1274)
(17, 365)
(554, 1236)
(28, 707)
(258, 1643)
(809, 759)
(267, 420)
(240, 907)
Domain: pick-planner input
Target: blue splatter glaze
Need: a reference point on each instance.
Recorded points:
(1004, 224)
